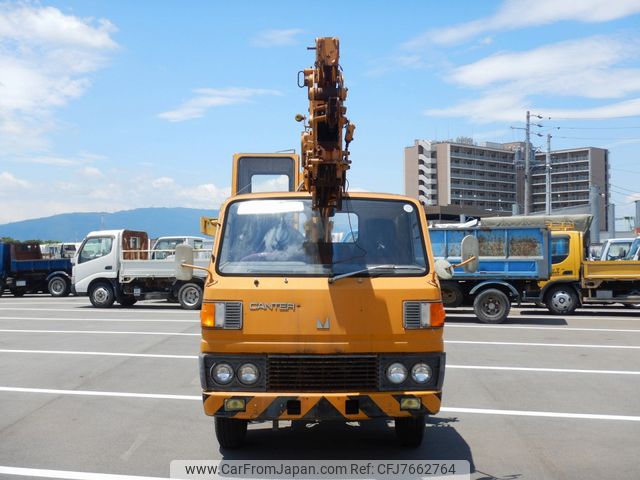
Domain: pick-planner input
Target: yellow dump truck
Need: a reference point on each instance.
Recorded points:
(574, 280)
(320, 304)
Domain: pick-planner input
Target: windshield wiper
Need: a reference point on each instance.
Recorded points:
(335, 278)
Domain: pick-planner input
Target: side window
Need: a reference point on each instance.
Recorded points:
(95, 248)
(559, 249)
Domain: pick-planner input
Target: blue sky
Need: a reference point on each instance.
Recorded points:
(108, 105)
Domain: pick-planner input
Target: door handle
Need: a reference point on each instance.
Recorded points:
(108, 267)
(567, 272)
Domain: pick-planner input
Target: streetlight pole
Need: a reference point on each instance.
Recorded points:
(547, 209)
(527, 160)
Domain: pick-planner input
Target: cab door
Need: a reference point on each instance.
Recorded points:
(97, 258)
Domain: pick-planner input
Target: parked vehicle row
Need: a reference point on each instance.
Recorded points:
(109, 266)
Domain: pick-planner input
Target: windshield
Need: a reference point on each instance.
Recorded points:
(285, 237)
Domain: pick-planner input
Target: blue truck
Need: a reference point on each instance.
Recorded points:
(23, 270)
(512, 260)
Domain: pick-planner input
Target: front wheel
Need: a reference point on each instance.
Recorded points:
(190, 296)
(492, 306)
(58, 287)
(230, 432)
(561, 300)
(410, 430)
(101, 295)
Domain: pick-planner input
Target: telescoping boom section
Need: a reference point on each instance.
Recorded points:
(325, 159)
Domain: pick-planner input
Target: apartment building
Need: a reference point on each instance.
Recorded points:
(458, 178)
(573, 172)
(476, 177)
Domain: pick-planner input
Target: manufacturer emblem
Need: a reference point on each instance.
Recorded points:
(320, 325)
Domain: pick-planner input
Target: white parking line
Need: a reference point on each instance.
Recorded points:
(484, 411)
(545, 370)
(163, 310)
(524, 413)
(42, 473)
(452, 366)
(99, 319)
(558, 329)
(105, 332)
(92, 393)
(109, 354)
(521, 344)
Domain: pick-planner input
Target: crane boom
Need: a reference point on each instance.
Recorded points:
(324, 158)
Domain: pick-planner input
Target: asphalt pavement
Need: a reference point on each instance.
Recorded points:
(87, 391)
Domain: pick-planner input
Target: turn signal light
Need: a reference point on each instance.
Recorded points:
(437, 314)
(207, 314)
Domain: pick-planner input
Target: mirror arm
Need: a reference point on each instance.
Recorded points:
(204, 269)
(462, 264)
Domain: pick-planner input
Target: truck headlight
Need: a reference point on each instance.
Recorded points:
(396, 373)
(248, 373)
(421, 373)
(222, 373)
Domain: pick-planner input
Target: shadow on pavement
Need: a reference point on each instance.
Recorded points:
(512, 320)
(371, 440)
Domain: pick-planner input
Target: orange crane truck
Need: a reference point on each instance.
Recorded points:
(319, 304)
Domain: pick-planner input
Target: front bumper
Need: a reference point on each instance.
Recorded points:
(321, 406)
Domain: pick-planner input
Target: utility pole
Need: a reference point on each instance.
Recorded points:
(527, 167)
(547, 209)
(594, 200)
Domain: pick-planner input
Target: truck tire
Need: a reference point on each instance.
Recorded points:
(410, 430)
(58, 287)
(230, 432)
(190, 296)
(561, 300)
(127, 301)
(452, 295)
(101, 295)
(491, 306)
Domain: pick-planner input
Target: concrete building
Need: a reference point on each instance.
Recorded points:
(473, 178)
(573, 173)
(458, 178)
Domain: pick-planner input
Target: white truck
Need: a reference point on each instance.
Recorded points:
(118, 266)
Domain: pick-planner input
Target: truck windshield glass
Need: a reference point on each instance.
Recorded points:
(285, 237)
(95, 248)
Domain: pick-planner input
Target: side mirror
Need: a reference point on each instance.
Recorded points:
(444, 269)
(470, 253)
(209, 226)
(73, 260)
(184, 255)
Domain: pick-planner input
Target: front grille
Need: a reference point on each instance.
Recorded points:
(322, 373)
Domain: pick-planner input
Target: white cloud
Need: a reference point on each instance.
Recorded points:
(516, 14)
(276, 38)
(45, 56)
(9, 182)
(508, 82)
(207, 98)
(91, 172)
(124, 191)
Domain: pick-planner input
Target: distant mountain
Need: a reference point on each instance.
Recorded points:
(73, 227)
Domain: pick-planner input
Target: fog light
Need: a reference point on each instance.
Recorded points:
(234, 405)
(410, 403)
